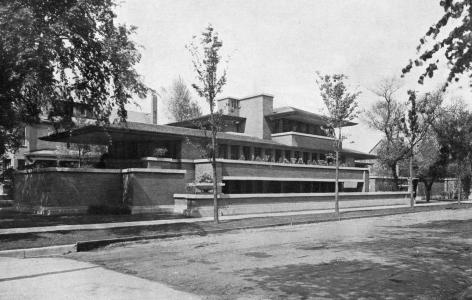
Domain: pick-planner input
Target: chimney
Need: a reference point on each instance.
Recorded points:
(154, 109)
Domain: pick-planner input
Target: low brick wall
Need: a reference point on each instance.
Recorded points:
(202, 205)
(75, 190)
(152, 190)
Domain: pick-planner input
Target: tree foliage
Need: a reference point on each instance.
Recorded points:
(454, 130)
(431, 162)
(454, 44)
(56, 52)
(180, 102)
(340, 103)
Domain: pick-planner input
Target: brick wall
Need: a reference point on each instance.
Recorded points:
(65, 190)
(253, 169)
(64, 187)
(202, 205)
(151, 188)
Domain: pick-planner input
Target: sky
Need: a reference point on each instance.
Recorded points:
(276, 47)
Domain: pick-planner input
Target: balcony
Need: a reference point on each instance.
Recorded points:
(304, 140)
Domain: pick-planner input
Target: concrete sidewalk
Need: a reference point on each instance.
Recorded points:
(206, 219)
(59, 278)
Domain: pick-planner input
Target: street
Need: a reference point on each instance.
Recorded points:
(419, 255)
(425, 255)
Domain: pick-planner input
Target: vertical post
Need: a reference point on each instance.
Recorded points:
(241, 152)
(228, 151)
(251, 153)
(292, 154)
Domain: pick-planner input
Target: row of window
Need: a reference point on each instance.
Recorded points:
(268, 187)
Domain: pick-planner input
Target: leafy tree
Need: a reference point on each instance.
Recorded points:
(342, 108)
(58, 52)
(431, 162)
(385, 115)
(454, 130)
(416, 125)
(449, 36)
(206, 58)
(180, 102)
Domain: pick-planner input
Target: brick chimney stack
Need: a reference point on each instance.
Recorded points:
(154, 109)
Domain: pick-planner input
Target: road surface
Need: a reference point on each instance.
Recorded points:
(419, 255)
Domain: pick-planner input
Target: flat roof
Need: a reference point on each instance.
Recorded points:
(195, 122)
(292, 113)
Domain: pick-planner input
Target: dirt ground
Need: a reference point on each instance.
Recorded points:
(425, 255)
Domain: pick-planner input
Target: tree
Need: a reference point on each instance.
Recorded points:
(342, 108)
(431, 161)
(453, 43)
(454, 131)
(384, 115)
(206, 59)
(180, 102)
(53, 53)
(416, 125)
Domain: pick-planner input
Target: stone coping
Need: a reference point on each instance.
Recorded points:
(283, 195)
(302, 134)
(251, 162)
(165, 159)
(290, 179)
(91, 170)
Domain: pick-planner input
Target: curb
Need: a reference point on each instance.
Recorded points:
(40, 251)
(82, 246)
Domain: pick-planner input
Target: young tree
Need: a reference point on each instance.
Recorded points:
(451, 41)
(342, 108)
(384, 115)
(416, 125)
(206, 59)
(180, 102)
(63, 51)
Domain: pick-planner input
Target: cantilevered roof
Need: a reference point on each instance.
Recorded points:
(296, 114)
(131, 131)
(203, 120)
(140, 132)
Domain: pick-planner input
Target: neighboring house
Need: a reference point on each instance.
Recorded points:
(35, 151)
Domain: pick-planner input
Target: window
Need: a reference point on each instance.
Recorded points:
(233, 103)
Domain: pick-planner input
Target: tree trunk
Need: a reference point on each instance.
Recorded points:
(336, 186)
(428, 186)
(459, 190)
(336, 180)
(213, 165)
(412, 194)
(393, 168)
(215, 181)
